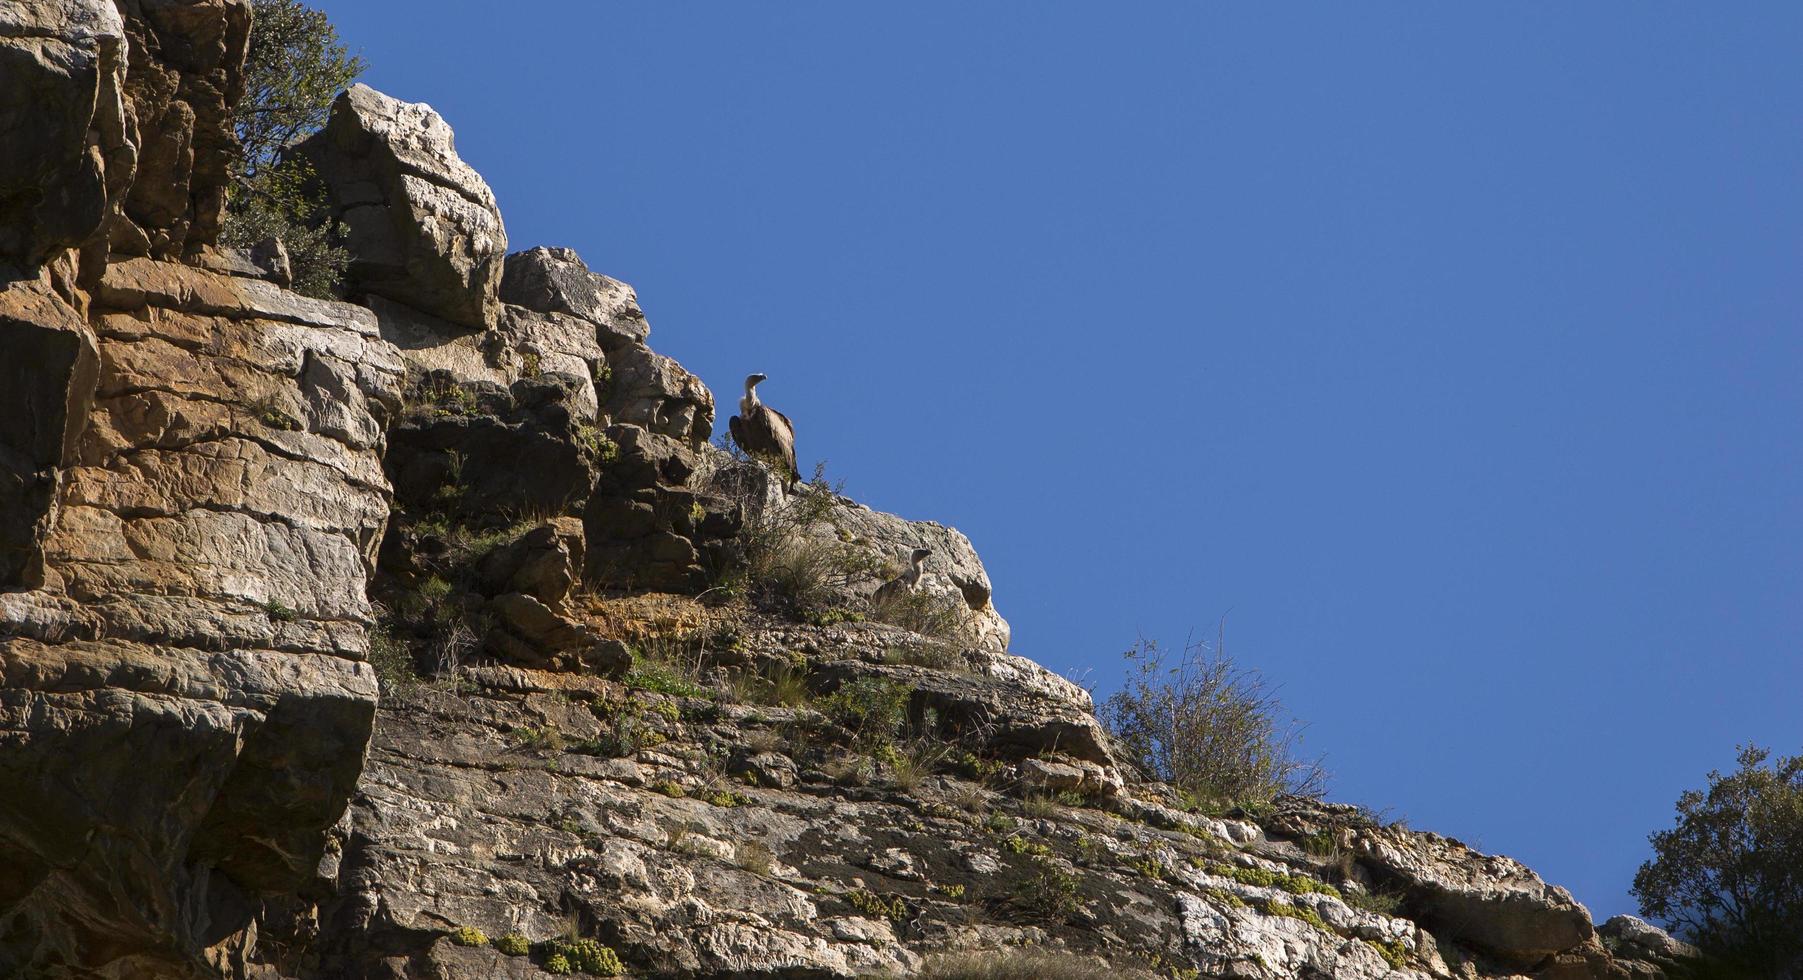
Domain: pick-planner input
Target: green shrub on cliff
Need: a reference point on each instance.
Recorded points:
(1729, 875)
(296, 65)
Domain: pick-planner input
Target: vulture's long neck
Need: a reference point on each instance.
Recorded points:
(750, 402)
(915, 573)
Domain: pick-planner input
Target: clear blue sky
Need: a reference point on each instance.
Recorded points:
(1455, 349)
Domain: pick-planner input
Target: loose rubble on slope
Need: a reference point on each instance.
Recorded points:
(643, 709)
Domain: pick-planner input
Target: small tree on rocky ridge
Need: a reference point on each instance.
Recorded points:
(1729, 876)
(295, 67)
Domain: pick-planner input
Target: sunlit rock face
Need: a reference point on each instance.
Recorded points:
(185, 699)
(422, 226)
(219, 500)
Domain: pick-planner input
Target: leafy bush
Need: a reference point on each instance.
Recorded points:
(871, 707)
(875, 906)
(1209, 727)
(513, 944)
(1383, 903)
(1393, 952)
(589, 956)
(469, 936)
(294, 68)
(1729, 876)
(1051, 894)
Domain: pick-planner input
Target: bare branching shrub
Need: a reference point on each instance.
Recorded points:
(456, 641)
(754, 856)
(390, 657)
(1209, 727)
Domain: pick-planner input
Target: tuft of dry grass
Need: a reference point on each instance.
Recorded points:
(1020, 964)
(636, 618)
(754, 856)
(943, 619)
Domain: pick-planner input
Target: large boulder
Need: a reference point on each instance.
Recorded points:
(1646, 949)
(183, 695)
(64, 155)
(1484, 901)
(186, 75)
(421, 225)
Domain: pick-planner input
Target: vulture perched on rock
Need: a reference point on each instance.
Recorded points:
(763, 432)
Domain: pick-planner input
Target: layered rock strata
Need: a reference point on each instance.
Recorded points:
(641, 707)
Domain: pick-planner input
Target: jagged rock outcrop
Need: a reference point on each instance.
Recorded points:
(421, 225)
(191, 498)
(1645, 949)
(642, 388)
(186, 74)
(185, 702)
(65, 157)
(635, 691)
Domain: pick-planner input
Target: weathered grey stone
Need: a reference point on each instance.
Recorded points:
(267, 260)
(1629, 937)
(1485, 901)
(65, 159)
(422, 226)
(544, 563)
(555, 280)
(653, 392)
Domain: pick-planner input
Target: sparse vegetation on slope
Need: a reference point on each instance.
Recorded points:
(1209, 727)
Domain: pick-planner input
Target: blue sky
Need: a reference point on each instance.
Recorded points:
(1451, 352)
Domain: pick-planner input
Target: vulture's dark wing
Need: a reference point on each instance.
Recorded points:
(737, 427)
(767, 434)
(783, 431)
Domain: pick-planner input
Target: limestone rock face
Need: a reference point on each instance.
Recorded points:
(556, 280)
(643, 388)
(224, 507)
(1486, 901)
(1645, 945)
(65, 159)
(186, 73)
(422, 226)
(184, 701)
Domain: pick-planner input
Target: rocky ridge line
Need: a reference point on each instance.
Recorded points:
(219, 500)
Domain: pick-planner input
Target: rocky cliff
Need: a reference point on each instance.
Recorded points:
(426, 634)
